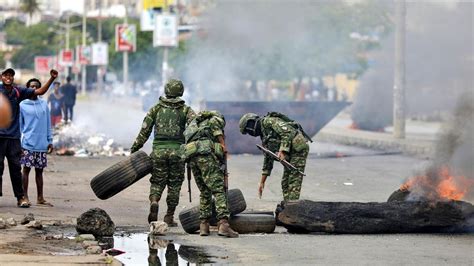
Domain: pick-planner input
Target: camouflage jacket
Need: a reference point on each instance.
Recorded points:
(168, 119)
(277, 135)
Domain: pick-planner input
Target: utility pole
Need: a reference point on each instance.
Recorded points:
(164, 66)
(68, 26)
(100, 79)
(399, 82)
(125, 55)
(83, 66)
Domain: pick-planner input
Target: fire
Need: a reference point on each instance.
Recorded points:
(441, 186)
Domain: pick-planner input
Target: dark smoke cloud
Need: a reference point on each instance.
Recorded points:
(439, 64)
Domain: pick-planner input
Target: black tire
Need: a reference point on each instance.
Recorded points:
(121, 175)
(189, 219)
(252, 223)
(399, 195)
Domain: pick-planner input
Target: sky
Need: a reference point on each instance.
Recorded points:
(71, 5)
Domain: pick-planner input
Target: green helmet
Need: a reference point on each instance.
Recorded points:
(174, 88)
(244, 123)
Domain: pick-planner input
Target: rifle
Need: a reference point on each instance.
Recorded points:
(275, 157)
(188, 170)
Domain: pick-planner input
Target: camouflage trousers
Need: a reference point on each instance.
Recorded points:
(292, 180)
(168, 170)
(210, 181)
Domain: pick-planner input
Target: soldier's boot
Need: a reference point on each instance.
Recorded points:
(169, 217)
(225, 230)
(153, 215)
(204, 228)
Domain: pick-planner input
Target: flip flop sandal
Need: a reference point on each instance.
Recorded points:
(44, 203)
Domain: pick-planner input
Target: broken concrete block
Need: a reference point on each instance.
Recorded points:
(53, 237)
(95, 221)
(89, 237)
(3, 224)
(94, 250)
(11, 222)
(89, 243)
(158, 228)
(34, 224)
(28, 218)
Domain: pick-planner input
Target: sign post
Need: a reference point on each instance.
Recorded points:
(165, 35)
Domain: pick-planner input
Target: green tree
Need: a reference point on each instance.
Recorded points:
(29, 7)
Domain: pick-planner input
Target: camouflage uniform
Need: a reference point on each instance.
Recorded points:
(278, 135)
(206, 163)
(168, 119)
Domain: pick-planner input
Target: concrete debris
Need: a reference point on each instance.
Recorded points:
(3, 224)
(27, 218)
(89, 237)
(94, 250)
(11, 222)
(158, 228)
(89, 243)
(34, 224)
(72, 140)
(53, 237)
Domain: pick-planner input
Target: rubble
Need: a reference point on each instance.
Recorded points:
(52, 237)
(27, 218)
(94, 250)
(88, 243)
(158, 228)
(3, 225)
(95, 221)
(11, 222)
(72, 140)
(34, 224)
(85, 237)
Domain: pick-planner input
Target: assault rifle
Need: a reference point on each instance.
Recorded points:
(275, 157)
(188, 170)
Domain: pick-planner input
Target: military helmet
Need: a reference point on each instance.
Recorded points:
(174, 88)
(244, 121)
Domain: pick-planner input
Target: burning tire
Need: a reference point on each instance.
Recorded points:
(190, 218)
(399, 195)
(246, 223)
(121, 175)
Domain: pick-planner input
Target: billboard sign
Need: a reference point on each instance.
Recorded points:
(83, 54)
(43, 64)
(166, 31)
(100, 53)
(66, 57)
(125, 38)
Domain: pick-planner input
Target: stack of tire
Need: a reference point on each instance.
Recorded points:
(242, 222)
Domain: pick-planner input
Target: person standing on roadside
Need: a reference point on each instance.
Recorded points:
(69, 92)
(55, 100)
(10, 146)
(36, 140)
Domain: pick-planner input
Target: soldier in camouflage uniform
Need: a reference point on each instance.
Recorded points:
(206, 151)
(279, 134)
(168, 119)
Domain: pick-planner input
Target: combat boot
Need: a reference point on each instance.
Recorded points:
(153, 215)
(169, 218)
(204, 228)
(225, 230)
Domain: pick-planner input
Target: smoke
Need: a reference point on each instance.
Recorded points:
(439, 64)
(272, 40)
(454, 152)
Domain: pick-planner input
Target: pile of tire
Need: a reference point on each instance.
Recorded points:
(243, 223)
(121, 175)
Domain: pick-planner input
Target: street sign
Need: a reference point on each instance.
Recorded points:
(166, 31)
(147, 19)
(125, 38)
(100, 53)
(43, 64)
(83, 54)
(66, 57)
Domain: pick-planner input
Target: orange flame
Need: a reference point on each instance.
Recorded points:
(445, 187)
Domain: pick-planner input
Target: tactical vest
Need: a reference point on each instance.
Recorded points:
(291, 122)
(199, 138)
(170, 123)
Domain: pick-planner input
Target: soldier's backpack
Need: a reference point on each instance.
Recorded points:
(170, 123)
(292, 122)
(198, 136)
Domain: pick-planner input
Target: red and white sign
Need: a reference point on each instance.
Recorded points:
(83, 54)
(43, 64)
(66, 57)
(125, 38)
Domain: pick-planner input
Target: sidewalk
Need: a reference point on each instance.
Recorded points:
(420, 136)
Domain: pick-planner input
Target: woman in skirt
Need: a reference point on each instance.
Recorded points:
(36, 139)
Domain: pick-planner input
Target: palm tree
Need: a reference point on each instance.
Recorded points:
(30, 7)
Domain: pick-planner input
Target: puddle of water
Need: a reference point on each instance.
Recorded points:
(140, 249)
